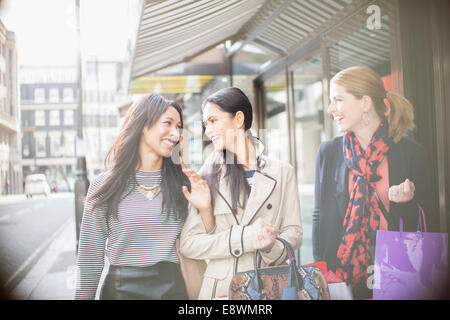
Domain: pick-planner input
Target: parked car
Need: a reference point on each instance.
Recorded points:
(36, 184)
(62, 186)
(52, 183)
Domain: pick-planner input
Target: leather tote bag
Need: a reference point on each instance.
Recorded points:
(287, 282)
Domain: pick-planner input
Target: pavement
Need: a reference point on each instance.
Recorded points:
(53, 277)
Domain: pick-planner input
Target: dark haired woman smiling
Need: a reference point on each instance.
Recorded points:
(130, 210)
(248, 199)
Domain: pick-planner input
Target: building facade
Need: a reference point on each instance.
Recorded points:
(10, 155)
(104, 92)
(48, 106)
(49, 103)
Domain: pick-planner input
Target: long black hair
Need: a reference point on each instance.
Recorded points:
(123, 159)
(230, 100)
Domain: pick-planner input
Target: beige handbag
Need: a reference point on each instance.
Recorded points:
(192, 271)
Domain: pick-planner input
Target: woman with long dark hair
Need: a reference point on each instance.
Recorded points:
(248, 199)
(373, 169)
(135, 210)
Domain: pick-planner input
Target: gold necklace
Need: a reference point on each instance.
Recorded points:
(149, 192)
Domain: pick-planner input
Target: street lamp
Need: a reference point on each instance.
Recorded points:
(81, 182)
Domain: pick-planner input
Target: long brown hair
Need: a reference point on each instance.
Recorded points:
(363, 81)
(230, 100)
(123, 159)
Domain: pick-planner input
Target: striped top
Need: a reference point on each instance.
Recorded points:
(140, 236)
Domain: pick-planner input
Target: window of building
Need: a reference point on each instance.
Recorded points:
(39, 118)
(26, 149)
(54, 95)
(246, 65)
(276, 133)
(69, 117)
(54, 118)
(55, 143)
(308, 115)
(309, 132)
(69, 144)
(39, 95)
(68, 95)
(40, 138)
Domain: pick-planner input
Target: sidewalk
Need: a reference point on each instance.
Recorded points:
(12, 198)
(53, 277)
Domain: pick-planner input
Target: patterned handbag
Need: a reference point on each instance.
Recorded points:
(289, 282)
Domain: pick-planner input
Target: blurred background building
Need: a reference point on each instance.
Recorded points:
(104, 92)
(48, 106)
(10, 155)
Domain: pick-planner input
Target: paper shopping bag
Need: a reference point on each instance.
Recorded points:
(410, 265)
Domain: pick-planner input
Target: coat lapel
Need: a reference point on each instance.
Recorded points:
(223, 201)
(263, 186)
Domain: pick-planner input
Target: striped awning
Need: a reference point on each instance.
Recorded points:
(173, 31)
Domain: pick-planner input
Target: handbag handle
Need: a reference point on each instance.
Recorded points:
(421, 223)
(387, 215)
(293, 278)
(390, 219)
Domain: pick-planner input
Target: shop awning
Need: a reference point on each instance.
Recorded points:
(172, 31)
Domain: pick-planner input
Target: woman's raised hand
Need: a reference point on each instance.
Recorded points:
(403, 192)
(264, 235)
(200, 196)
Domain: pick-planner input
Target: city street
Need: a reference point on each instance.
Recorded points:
(27, 227)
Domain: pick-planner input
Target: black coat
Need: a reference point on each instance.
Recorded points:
(407, 159)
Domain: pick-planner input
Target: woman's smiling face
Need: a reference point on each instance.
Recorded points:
(345, 108)
(163, 135)
(220, 126)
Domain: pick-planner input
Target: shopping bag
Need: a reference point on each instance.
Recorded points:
(289, 282)
(339, 290)
(410, 265)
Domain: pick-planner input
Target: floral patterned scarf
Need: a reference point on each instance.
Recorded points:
(356, 250)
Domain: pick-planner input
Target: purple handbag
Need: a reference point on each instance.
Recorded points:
(410, 265)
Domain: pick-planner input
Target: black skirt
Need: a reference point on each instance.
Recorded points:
(162, 281)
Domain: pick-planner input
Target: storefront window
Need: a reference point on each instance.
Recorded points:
(246, 65)
(55, 143)
(276, 133)
(69, 144)
(40, 138)
(308, 115)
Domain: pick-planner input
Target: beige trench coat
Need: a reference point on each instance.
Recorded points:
(229, 249)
